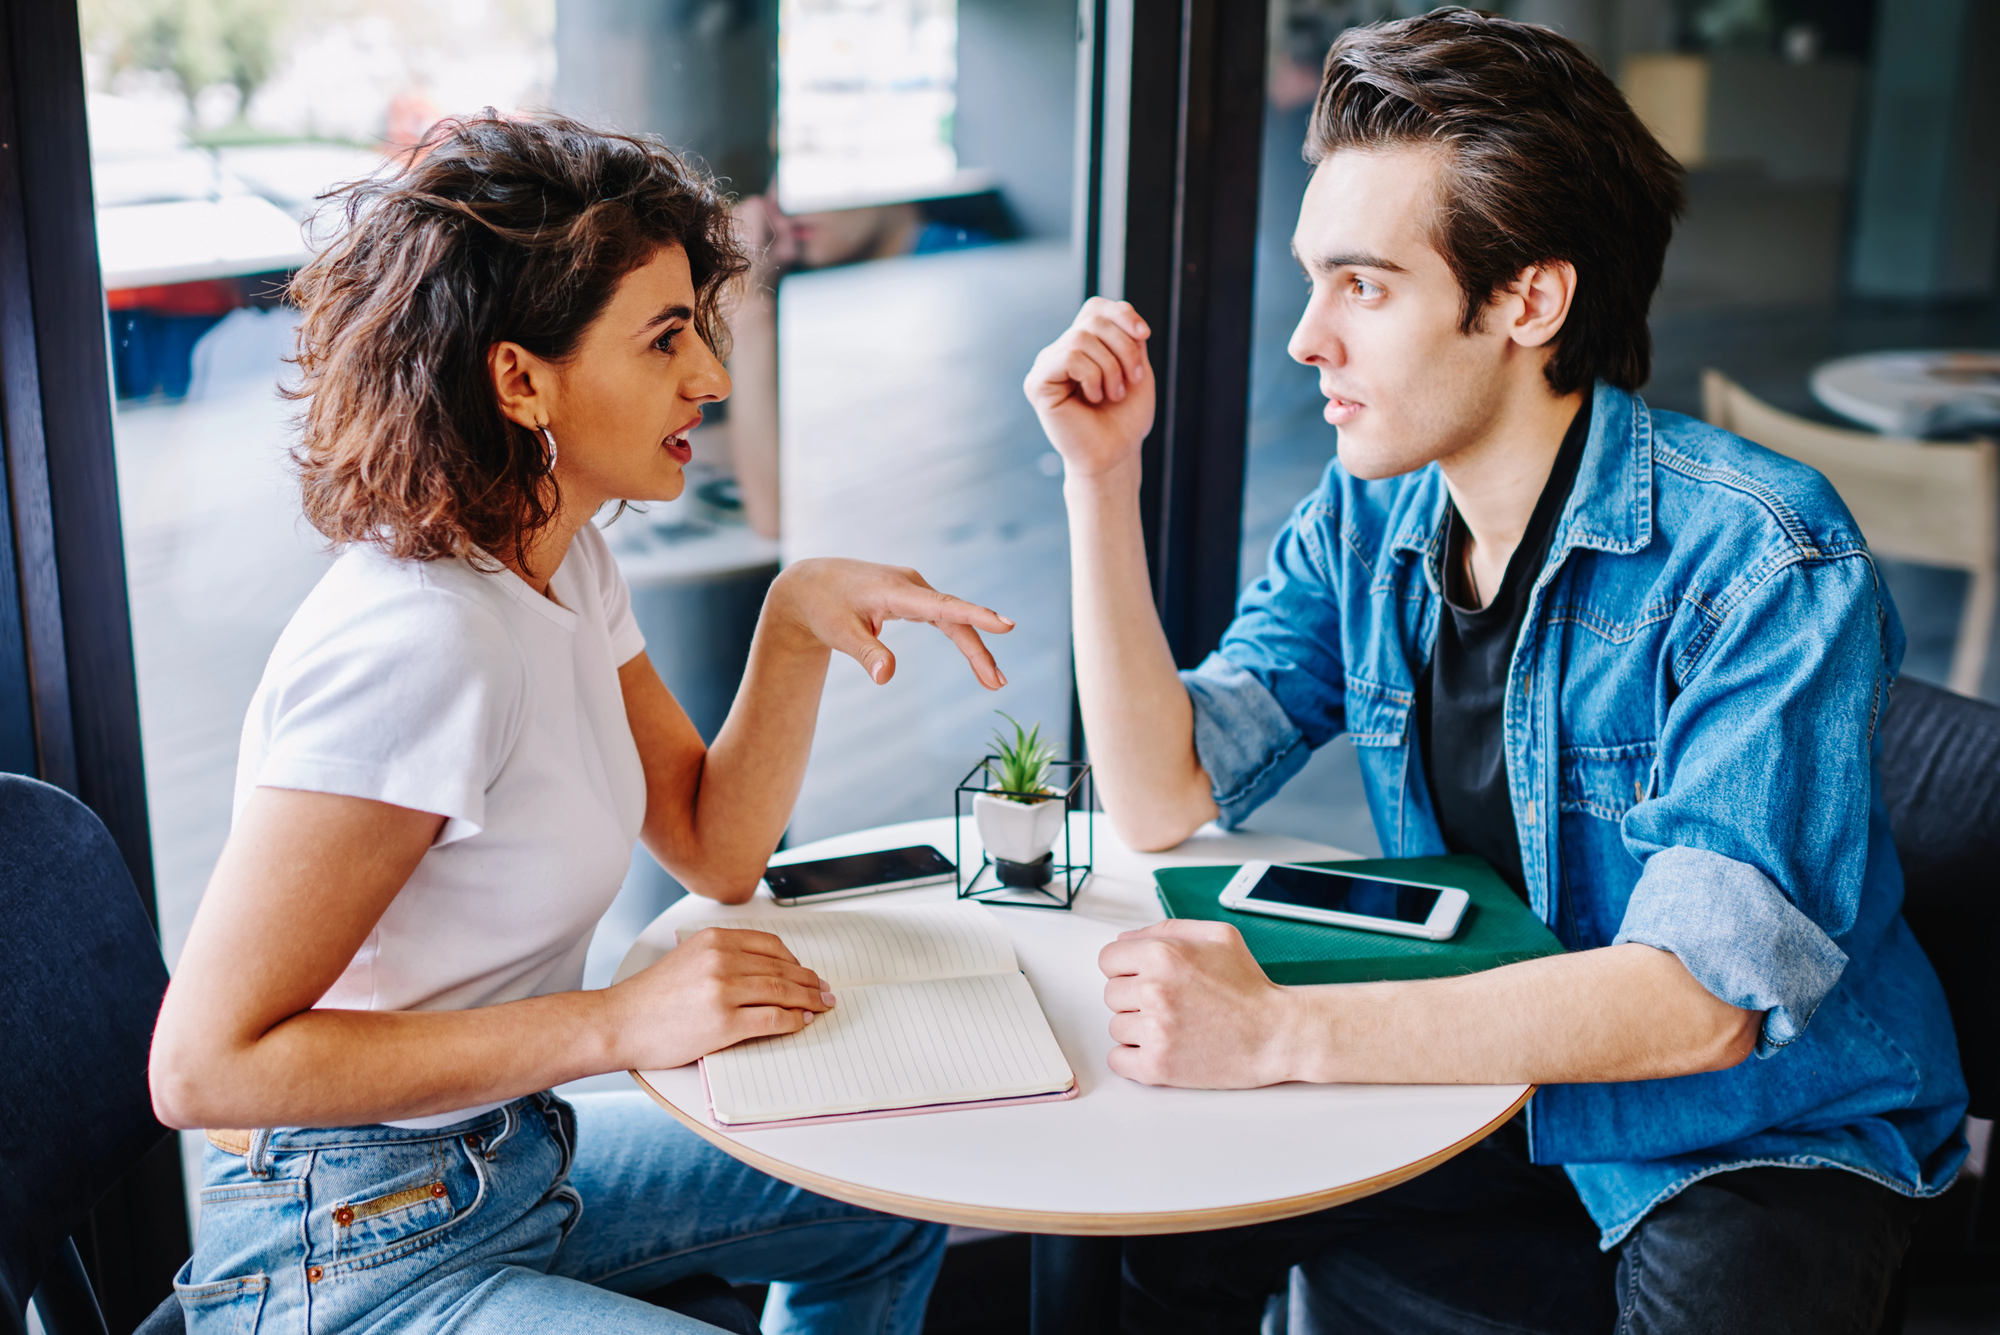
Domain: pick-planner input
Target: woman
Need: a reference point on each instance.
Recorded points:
(455, 743)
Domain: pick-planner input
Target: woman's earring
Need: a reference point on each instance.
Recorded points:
(550, 438)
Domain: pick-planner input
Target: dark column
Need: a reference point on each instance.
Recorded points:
(1176, 207)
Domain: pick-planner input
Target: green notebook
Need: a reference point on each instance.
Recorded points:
(1497, 927)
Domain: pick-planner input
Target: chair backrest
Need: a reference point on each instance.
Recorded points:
(1941, 781)
(1928, 502)
(80, 985)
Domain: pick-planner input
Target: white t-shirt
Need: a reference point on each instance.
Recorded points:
(441, 687)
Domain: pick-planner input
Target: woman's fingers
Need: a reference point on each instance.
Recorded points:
(976, 653)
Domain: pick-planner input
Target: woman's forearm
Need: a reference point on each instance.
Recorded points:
(349, 1068)
(750, 778)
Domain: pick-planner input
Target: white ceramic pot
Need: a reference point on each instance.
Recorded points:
(1017, 831)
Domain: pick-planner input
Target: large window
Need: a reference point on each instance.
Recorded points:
(922, 256)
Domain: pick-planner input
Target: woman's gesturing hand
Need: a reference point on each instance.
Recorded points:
(844, 605)
(718, 987)
(1092, 389)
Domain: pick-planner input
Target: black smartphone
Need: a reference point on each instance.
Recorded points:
(858, 874)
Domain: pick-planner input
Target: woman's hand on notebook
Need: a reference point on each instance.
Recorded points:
(1191, 1008)
(715, 989)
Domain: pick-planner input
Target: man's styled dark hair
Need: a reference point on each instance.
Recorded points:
(1544, 161)
(497, 229)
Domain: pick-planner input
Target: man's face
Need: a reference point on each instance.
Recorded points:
(1402, 383)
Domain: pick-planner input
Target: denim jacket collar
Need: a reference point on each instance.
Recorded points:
(1610, 506)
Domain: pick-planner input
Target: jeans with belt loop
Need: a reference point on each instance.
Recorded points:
(534, 1217)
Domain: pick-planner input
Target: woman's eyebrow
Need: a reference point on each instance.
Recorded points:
(671, 313)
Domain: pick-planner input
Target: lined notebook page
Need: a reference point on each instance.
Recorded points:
(882, 945)
(901, 1045)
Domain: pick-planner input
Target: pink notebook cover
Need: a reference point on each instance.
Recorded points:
(1057, 1097)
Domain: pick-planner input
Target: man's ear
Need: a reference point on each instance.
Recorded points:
(1541, 294)
(522, 382)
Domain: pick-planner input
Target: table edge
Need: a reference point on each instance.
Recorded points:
(1074, 1223)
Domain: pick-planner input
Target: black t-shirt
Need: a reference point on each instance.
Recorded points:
(1461, 695)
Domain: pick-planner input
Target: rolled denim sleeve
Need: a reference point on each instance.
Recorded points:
(1243, 737)
(1705, 908)
(1755, 844)
(1276, 686)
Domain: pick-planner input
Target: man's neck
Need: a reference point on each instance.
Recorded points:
(1496, 481)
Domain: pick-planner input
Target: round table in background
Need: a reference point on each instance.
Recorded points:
(1897, 392)
(1121, 1158)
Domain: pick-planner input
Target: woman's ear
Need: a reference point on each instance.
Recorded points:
(1543, 293)
(523, 383)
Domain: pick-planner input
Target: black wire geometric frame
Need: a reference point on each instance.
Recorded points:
(1066, 877)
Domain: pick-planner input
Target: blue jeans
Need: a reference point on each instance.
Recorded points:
(535, 1217)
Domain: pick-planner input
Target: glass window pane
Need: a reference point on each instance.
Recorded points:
(906, 324)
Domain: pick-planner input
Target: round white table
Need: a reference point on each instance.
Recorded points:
(1121, 1158)
(1896, 392)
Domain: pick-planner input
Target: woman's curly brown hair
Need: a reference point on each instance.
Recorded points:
(498, 230)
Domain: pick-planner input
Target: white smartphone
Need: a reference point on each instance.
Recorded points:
(1366, 903)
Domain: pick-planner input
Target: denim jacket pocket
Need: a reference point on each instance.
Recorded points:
(1376, 715)
(1599, 784)
(1606, 781)
(225, 1307)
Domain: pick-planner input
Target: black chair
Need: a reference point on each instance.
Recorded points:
(1941, 783)
(80, 984)
(1941, 780)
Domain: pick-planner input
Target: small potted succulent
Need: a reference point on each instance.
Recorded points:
(1018, 818)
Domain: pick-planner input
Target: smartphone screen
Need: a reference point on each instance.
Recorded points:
(802, 880)
(1338, 893)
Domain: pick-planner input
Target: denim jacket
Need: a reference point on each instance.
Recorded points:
(1691, 753)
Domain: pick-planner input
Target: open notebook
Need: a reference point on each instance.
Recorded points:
(932, 1012)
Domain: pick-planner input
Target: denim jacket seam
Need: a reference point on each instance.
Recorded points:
(1251, 781)
(1697, 470)
(1690, 660)
(1613, 632)
(1610, 1238)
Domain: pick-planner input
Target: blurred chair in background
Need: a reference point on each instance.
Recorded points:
(1934, 504)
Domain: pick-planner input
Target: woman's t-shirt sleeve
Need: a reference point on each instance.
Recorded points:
(414, 701)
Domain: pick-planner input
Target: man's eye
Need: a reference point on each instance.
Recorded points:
(1366, 290)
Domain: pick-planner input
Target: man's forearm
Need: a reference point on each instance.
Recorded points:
(1135, 709)
(1626, 1012)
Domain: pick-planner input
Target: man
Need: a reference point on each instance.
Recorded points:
(1632, 661)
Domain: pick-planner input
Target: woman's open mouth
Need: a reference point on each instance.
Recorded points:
(678, 447)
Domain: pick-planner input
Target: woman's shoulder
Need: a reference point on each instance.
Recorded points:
(372, 606)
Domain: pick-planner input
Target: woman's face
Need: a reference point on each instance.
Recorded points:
(622, 404)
